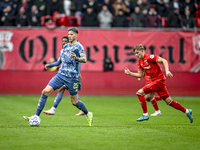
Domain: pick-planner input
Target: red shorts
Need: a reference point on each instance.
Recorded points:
(157, 86)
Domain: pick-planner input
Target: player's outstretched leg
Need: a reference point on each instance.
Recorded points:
(178, 106)
(55, 104)
(155, 105)
(89, 115)
(80, 112)
(40, 106)
(143, 103)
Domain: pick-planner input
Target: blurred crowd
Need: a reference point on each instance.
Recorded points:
(101, 13)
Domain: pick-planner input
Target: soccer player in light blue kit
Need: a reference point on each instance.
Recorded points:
(72, 54)
(61, 90)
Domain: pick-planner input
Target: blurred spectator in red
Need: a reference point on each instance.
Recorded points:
(152, 19)
(92, 4)
(119, 4)
(42, 7)
(188, 21)
(53, 6)
(144, 7)
(129, 6)
(61, 19)
(7, 17)
(137, 19)
(120, 20)
(175, 4)
(4, 4)
(190, 5)
(109, 5)
(34, 17)
(25, 5)
(69, 7)
(161, 9)
(89, 18)
(21, 18)
(50, 24)
(105, 18)
(174, 19)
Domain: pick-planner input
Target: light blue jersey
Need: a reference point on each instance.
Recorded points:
(70, 67)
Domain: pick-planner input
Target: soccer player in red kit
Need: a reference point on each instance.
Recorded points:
(149, 64)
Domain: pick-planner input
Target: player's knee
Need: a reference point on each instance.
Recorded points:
(74, 101)
(148, 98)
(139, 93)
(45, 92)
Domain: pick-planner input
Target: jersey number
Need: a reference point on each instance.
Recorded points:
(75, 85)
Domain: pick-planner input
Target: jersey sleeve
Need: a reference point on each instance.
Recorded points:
(57, 63)
(81, 49)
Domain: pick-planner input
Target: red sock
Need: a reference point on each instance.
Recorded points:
(177, 105)
(154, 103)
(143, 102)
(158, 98)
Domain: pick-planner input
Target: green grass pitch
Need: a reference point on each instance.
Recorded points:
(114, 128)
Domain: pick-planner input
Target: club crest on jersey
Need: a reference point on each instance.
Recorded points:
(146, 62)
(151, 56)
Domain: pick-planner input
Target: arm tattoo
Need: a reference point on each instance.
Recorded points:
(82, 58)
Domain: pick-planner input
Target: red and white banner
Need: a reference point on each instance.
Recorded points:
(27, 49)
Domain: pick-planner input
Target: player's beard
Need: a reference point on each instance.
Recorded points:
(73, 39)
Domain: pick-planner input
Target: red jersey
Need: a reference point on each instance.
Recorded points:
(151, 67)
(147, 79)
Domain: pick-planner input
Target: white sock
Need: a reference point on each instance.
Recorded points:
(187, 111)
(88, 114)
(145, 114)
(53, 109)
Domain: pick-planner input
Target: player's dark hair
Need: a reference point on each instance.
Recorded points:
(75, 30)
(139, 47)
(65, 37)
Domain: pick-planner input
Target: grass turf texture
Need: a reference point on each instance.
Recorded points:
(115, 126)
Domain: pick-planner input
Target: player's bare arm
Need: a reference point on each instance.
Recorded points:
(81, 59)
(136, 75)
(140, 79)
(166, 65)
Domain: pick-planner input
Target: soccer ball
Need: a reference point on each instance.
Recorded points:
(34, 121)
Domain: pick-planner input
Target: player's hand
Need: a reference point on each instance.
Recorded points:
(169, 74)
(74, 55)
(80, 77)
(127, 71)
(47, 66)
